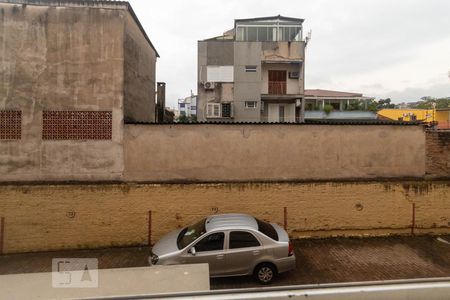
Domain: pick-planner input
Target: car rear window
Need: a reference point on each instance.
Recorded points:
(267, 229)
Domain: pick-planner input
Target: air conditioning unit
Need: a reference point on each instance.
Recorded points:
(294, 75)
(209, 85)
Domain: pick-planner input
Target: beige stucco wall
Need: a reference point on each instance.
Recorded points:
(161, 153)
(51, 217)
(61, 58)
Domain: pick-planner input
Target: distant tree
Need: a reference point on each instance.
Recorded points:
(375, 106)
(328, 109)
(430, 102)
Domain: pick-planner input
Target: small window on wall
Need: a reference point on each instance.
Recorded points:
(251, 104)
(213, 110)
(250, 69)
(10, 125)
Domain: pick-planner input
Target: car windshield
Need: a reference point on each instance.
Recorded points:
(190, 234)
(267, 229)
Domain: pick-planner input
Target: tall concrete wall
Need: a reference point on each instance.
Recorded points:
(61, 58)
(189, 153)
(139, 75)
(90, 216)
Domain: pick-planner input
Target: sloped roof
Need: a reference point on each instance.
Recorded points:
(279, 17)
(108, 4)
(329, 93)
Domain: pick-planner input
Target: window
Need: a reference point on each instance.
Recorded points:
(250, 69)
(10, 125)
(219, 110)
(251, 104)
(77, 125)
(267, 229)
(226, 110)
(213, 242)
(252, 34)
(268, 32)
(213, 110)
(243, 239)
(190, 234)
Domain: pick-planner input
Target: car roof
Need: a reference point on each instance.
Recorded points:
(230, 221)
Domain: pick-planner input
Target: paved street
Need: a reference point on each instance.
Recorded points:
(318, 261)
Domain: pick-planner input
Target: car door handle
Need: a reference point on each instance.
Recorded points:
(256, 252)
(220, 256)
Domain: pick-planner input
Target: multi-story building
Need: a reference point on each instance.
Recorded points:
(188, 106)
(254, 72)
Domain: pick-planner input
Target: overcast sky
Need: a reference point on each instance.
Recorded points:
(382, 48)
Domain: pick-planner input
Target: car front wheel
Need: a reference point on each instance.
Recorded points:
(265, 273)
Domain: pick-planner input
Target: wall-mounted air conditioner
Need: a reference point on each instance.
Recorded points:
(209, 85)
(294, 75)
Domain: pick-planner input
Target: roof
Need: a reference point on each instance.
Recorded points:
(329, 93)
(280, 17)
(108, 4)
(308, 122)
(234, 221)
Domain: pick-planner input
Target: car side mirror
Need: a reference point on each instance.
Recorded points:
(192, 251)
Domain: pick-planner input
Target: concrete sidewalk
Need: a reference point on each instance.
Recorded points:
(318, 261)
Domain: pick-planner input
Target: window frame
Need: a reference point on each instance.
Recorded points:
(251, 69)
(243, 231)
(250, 106)
(205, 237)
(211, 110)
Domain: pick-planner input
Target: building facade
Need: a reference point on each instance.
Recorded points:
(73, 73)
(187, 107)
(253, 73)
(327, 104)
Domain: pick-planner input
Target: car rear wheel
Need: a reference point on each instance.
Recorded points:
(265, 273)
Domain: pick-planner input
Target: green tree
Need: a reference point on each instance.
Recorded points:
(185, 119)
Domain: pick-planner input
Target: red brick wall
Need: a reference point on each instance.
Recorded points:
(438, 153)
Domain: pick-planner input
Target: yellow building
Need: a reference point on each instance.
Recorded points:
(421, 115)
(442, 117)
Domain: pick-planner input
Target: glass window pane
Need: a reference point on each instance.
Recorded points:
(271, 33)
(212, 242)
(252, 34)
(240, 34)
(242, 239)
(286, 34)
(294, 34)
(262, 34)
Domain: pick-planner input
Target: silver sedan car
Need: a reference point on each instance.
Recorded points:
(232, 245)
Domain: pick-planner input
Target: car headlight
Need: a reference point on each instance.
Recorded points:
(154, 259)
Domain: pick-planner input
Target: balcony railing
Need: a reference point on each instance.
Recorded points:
(277, 87)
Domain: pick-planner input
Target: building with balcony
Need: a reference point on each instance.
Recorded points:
(253, 73)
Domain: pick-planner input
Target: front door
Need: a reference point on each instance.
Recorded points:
(210, 250)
